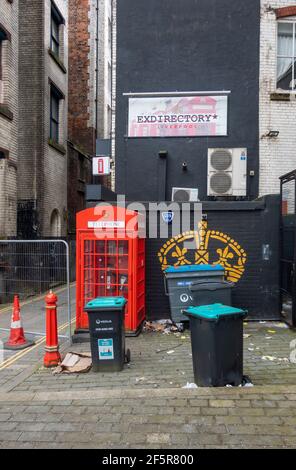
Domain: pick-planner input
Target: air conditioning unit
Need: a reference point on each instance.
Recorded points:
(227, 172)
(185, 195)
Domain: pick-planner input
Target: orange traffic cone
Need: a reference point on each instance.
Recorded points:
(17, 338)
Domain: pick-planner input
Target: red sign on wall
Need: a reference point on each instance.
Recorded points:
(101, 166)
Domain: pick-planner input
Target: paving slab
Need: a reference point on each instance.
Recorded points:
(145, 406)
(267, 352)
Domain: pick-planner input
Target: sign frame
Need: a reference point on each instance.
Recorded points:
(102, 162)
(187, 115)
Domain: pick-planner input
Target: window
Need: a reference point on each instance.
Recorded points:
(4, 35)
(81, 168)
(109, 114)
(286, 55)
(54, 116)
(55, 224)
(1, 74)
(55, 37)
(55, 97)
(109, 35)
(56, 21)
(109, 79)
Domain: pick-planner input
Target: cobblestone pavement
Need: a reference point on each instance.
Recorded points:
(262, 417)
(165, 361)
(144, 406)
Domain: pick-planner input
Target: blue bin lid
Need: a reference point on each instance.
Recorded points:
(214, 311)
(105, 302)
(192, 268)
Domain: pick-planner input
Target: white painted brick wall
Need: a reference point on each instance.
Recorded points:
(277, 156)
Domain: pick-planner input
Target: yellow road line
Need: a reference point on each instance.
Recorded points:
(23, 353)
(35, 299)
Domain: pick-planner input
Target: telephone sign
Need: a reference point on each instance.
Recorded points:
(101, 166)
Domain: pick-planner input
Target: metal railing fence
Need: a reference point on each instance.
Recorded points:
(29, 268)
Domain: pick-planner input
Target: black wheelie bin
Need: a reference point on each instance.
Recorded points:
(217, 344)
(107, 333)
(211, 292)
(178, 281)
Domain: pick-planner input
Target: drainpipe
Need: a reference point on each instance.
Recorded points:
(112, 61)
(93, 178)
(97, 69)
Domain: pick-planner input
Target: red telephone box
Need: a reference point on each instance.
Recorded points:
(110, 262)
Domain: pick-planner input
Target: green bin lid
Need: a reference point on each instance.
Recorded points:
(192, 268)
(105, 302)
(214, 311)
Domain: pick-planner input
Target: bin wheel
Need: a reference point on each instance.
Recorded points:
(127, 356)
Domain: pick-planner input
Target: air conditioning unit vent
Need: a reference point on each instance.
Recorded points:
(221, 160)
(220, 182)
(227, 172)
(185, 194)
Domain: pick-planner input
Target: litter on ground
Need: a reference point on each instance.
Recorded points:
(74, 363)
(163, 326)
(190, 385)
(269, 358)
(272, 324)
(140, 379)
(273, 358)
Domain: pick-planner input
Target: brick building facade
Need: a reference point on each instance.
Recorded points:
(47, 140)
(45, 164)
(277, 96)
(8, 116)
(90, 33)
(43, 107)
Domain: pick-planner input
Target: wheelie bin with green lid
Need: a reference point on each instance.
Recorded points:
(178, 281)
(217, 344)
(107, 333)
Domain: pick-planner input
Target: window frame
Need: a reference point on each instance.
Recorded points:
(293, 22)
(54, 42)
(4, 36)
(55, 94)
(56, 19)
(1, 64)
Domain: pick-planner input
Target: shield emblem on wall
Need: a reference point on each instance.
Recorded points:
(168, 217)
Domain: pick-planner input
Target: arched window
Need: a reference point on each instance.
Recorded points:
(55, 224)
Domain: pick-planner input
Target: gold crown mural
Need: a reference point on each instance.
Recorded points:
(212, 247)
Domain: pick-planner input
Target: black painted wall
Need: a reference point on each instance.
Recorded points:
(186, 45)
(249, 224)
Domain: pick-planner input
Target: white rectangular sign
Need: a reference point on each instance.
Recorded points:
(107, 224)
(181, 116)
(101, 166)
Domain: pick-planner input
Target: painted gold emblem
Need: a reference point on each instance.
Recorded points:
(212, 247)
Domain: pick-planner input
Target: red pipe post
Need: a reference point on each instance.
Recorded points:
(52, 356)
